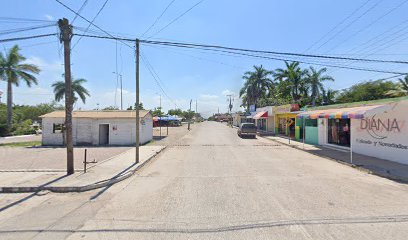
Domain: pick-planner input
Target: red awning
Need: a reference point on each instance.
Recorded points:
(261, 115)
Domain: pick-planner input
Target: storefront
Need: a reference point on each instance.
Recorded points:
(285, 119)
(374, 130)
(264, 119)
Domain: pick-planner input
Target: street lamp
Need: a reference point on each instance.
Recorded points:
(121, 95)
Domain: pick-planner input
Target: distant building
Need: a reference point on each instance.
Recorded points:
(97, 128)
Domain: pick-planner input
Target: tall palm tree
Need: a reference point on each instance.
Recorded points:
(257, 83)
(12, 70)
(293, 75)
(77, 89)
(401, 88)
(315, 79)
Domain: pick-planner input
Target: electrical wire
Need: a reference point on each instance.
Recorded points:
(79, 11)
(87, 28)
(349, 25)
(155, 76)
(175, 19)
(368, 25)
(28, 37)
(17, 30)
(91, 23)
(158, 18)
(338, 25)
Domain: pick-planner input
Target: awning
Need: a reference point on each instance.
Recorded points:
(355, 112)
(259, 115)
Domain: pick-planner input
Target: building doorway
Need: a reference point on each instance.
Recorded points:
(103, 134)
(339, 132)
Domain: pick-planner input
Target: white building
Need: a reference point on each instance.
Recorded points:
(97, 127)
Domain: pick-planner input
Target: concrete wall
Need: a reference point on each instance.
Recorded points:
(383, 135)
(86, 131)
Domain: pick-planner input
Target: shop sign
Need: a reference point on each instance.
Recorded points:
(286, 108)
(252, 108)
(380, 128)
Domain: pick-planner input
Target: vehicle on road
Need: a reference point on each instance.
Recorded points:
(247, 130)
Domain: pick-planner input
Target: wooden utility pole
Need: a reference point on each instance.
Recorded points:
(65, 37)
(189, 115)
(137, 100)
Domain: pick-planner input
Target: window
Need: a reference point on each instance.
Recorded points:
(58, 128)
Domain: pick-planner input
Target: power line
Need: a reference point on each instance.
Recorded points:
(17, 30)
(205, 46)
(236, 51)
(28, 37)
(79, 15)
(155, 76)
(87, 28)
(369, 25)
(348, 25)
(177, 18)
(14, 19)
(79, 11)
(158, 18)
(338, 25)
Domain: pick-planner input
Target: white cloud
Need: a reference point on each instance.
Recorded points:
(49, 17)
(208, 97)
(227, 92)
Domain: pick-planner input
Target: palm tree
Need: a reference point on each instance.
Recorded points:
(401, 88)
(293, 75)
(329, 96)
(12, 70)
(77, 89)
(257, 84)
(315, 79)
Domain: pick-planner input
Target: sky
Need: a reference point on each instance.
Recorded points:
(375, 29)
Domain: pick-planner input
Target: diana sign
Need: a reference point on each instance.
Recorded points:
(380, 128)
(383, 134)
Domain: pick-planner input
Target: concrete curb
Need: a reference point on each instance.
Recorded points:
(84, 188)
(360, 168)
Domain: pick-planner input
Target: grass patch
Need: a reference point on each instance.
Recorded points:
(22, 144)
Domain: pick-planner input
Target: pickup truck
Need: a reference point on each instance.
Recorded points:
(247, 129)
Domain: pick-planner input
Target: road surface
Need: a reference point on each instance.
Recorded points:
(213, 185)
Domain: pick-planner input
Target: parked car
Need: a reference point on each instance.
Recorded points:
(247, 129)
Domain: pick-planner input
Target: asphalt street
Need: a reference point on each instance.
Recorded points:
(211, 184)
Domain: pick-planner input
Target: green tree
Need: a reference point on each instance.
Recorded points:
(329, 96)
(366, 91)
(77, 89)
(315, 79)
(12, 70)
(401, 88)
(291, 80)
(257, 84)
(110, 108)
(175, 112)
(157, 112)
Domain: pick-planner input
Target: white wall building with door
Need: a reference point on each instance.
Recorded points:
(379, 131)
(97, 128)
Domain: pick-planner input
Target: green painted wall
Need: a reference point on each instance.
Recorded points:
(312, 135)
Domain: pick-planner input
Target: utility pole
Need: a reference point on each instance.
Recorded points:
(189, 115)
(65, 37)
(230, 107)
(160, 120)
(137, 99)
(121, 89)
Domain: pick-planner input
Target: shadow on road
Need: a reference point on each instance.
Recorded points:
(31, 195)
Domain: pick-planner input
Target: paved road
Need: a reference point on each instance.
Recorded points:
(214, 185)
